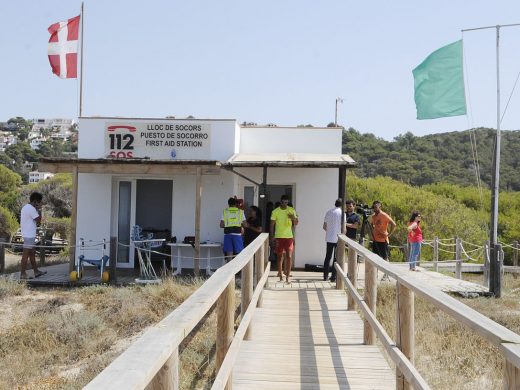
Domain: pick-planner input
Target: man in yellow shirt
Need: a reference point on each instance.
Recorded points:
(283, 219)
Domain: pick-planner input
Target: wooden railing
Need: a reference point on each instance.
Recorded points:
(152, 362)
(402, 350)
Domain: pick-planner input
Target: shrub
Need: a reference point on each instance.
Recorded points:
(8, 224)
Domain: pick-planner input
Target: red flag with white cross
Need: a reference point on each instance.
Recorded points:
(63, 48)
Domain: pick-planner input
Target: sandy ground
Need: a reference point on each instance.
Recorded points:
(12, 258)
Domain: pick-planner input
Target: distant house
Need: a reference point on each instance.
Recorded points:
(36, 142)
(60, 127)
(6, 139)
(36, 177)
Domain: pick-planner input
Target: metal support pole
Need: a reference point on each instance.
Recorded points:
(436, 254)
(486, 264)
(341, 192)
(494, 269)
(458, 257)
(515, 253)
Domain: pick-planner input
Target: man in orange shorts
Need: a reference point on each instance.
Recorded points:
(283, 219)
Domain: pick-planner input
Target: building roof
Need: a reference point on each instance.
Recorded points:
(303, 160)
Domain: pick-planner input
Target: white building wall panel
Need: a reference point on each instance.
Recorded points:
(94, 207)
(290, 140)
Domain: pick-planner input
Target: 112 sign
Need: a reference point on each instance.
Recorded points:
(121, 144)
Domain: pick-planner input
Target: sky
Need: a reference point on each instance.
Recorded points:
(271, 61)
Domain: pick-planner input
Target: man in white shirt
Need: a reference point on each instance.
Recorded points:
(333, 223)
(29, 217)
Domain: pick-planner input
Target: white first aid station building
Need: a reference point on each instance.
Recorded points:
(173, 177)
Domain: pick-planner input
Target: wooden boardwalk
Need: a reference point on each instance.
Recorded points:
(303, 337)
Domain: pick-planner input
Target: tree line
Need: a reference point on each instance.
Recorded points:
(435, 158)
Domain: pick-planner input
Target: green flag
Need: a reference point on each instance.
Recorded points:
(439, 84)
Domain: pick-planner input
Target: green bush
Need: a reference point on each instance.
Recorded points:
(443, 216)
(8, 224)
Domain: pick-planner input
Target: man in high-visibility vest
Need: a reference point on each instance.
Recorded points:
(232, 221)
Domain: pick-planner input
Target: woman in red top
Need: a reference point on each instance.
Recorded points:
(415, 239)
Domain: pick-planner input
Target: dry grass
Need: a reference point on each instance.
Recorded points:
(61, 339)
(448, 354)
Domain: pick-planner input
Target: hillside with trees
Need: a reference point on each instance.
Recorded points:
(448, 210)
(435, 158)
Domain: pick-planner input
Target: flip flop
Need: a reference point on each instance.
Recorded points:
(41, 273)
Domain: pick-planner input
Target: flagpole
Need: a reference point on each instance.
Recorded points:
(81, 64)
(495, 267)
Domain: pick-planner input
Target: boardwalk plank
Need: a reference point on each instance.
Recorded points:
(306, 339)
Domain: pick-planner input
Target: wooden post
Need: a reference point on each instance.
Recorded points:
(168, 376)
(405, 330)
(436, 254)
(225, 324)
(73, 219)
(369, 336)
(259, 271)
(246, 292)
(458, 258)
(198, 195)
(486, 264)
(352, 265)
(2, 257)
(515, 253)
(340, 259)
(112, 260)
(42, 255)
(266, 260)
(511, 377)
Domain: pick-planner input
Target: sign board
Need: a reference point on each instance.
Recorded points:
(173, 140)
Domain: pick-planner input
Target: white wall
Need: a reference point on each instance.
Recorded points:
(315, 190)
(290, 140)
(91, 143)
(94, 208)
(216, 190)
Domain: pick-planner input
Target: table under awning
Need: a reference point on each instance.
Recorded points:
(135, 166)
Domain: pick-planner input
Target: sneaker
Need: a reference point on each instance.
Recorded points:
(385, 278)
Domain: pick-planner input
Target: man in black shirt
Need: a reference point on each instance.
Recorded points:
(353, 220)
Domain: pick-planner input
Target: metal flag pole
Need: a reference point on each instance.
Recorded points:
(340, 100)
(82, 14)
(495, 266)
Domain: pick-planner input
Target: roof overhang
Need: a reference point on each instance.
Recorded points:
(294, 160)
(129, 166)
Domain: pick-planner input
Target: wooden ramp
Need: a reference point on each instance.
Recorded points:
(446, 283)
(306, 339)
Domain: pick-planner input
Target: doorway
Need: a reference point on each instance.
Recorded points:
(143, 202)
(275, 192)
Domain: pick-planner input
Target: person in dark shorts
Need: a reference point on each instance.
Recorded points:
(380, 222)
(232, 221)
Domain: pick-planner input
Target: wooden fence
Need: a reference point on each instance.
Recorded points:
(152, 362)
(402, 350)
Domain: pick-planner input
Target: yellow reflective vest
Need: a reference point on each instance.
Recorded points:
(233, 217)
